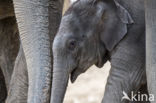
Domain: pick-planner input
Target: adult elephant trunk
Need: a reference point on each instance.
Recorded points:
(60, 81)
(150, 6)
(32, 18)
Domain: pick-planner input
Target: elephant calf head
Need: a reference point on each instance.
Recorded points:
(89, 29)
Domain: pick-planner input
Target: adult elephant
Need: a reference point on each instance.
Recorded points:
(150, 6)
(94, 31)
(37, 21)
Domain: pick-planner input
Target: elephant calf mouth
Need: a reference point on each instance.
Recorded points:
(74, 75)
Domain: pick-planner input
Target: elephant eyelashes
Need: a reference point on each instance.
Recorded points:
(72, 44)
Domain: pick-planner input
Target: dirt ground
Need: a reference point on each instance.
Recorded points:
(89, 87)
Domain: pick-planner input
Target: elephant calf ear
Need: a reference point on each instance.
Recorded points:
(115, 30)
(123, 14)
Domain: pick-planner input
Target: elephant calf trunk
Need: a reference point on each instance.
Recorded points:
(59, 85)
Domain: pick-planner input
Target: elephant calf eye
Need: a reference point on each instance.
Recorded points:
(72, 44)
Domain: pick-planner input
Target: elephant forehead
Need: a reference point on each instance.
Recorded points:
(70, 25)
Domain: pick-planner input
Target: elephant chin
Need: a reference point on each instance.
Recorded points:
(74, 74)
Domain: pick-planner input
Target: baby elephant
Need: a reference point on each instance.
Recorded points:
(96, 31)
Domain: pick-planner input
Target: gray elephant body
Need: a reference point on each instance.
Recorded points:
(92, 32)
(128, 58)
(150, 45)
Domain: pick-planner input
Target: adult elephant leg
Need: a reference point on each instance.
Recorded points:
(9, 46)
(33, 18)
(3, 90)
(18, 87)
(150, 6)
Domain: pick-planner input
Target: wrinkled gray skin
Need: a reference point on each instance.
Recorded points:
(96, 31)
(9, 46)
(3, 90)
(150, 45)
(37, 23)
(19, 82)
